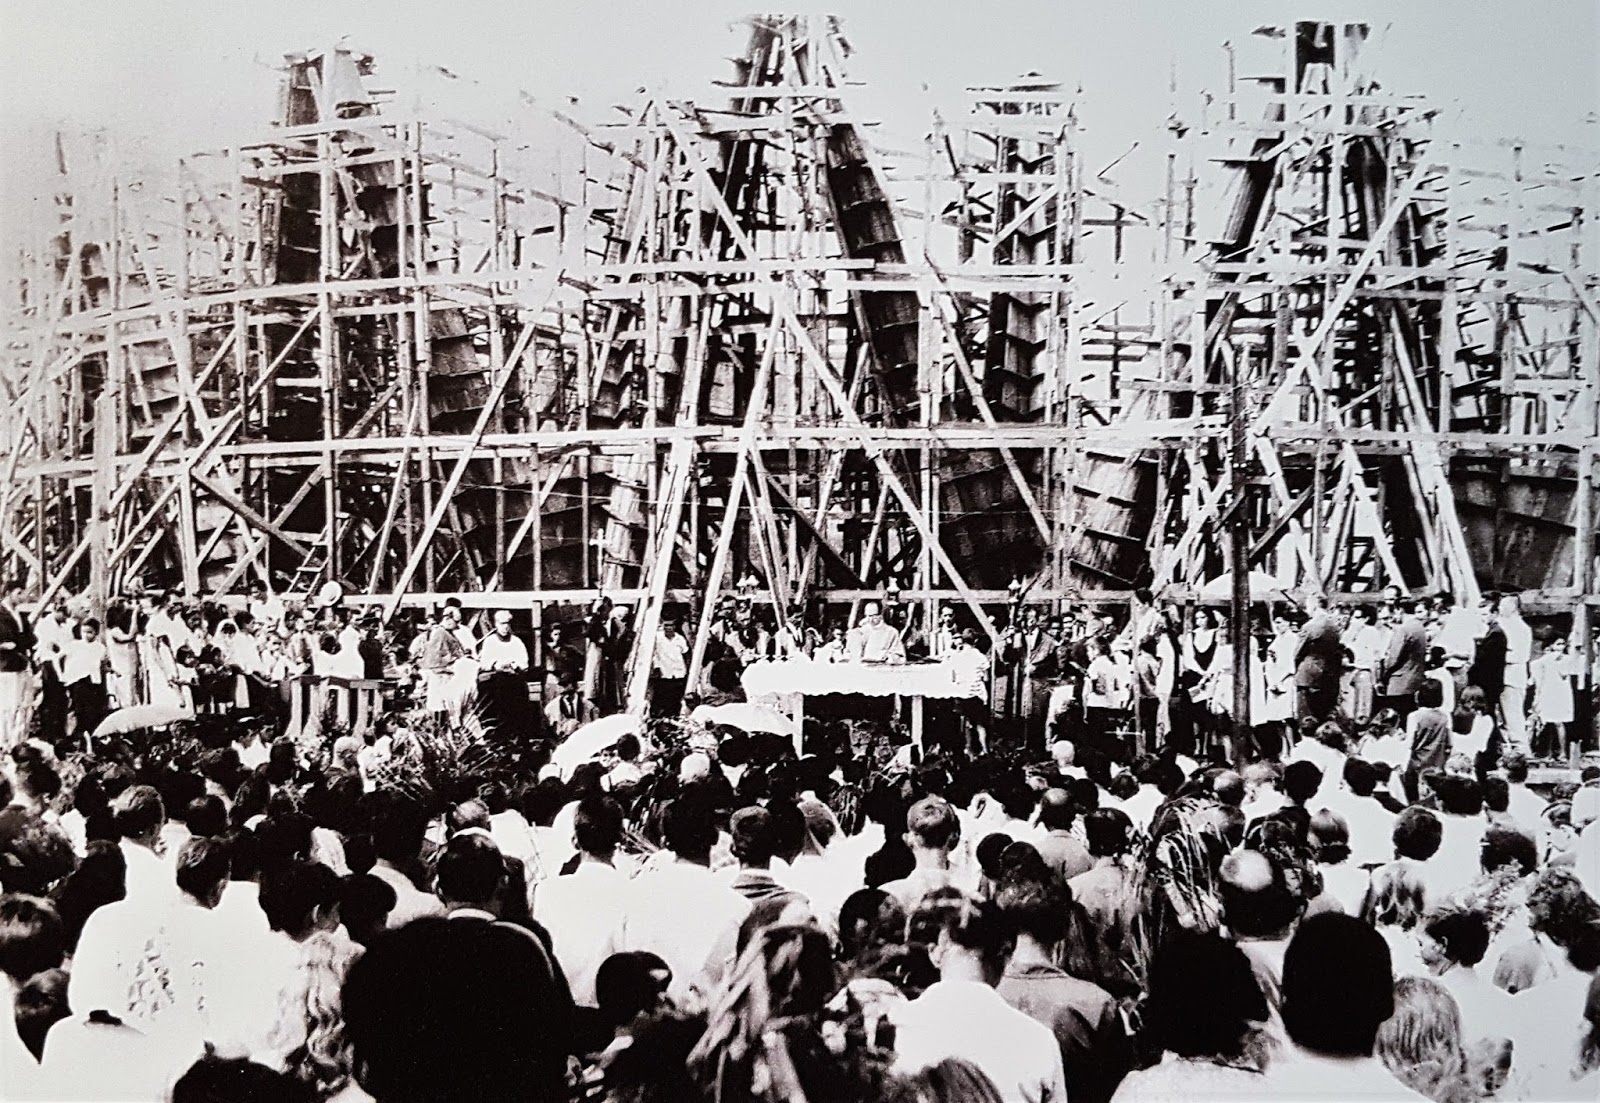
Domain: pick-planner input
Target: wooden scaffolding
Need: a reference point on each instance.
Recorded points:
(730, 344)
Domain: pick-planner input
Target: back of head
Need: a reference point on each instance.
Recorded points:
(977, 927)
(470, 870)
(1257, 901)
(1330, 837)
(212, 1079)
(1056, 810)
(203, 866)
(690, 827)
(1107, 831)
(1417, 834)
(1360, 777)
(932, 823)
(629, 984)
(1204, 999)
(1038, 908)
(1301, 780)
(754, 840)
(597, 826)
(32, 938)
(445, 1011)
(870, 918)
(138, 812)
(1508, 847)
(296, 893)
(1338, 985)
(1421, 1041)
(1462, 934)
(398, 825)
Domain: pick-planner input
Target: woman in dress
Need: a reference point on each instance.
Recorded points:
(123, 650)
(1551, 674)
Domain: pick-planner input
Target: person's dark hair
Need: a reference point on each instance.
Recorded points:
(1204, 1000)
(597, 826)
(1228, 788)
(470, 870)
(754, 839)
(988, 853)
(1458, 796)
(1496, 794)
(1040, 909)
(453, 1012)
(1301, 780)
(1430, 695)
(38, 780)
(630, 984)
(788, 827)
(1107, 831)
(1338, 985)
(868, 920)
(398, 825)
(244, 854)
(213, 1079)
(541, 802)
(292, 893)
(202, 866)
(1056, 810)
(100, 879)
(206, 816)
(1506, 846)
(1583, 948)
(1516, 768)
(1417, 834)
(627, 747)
(138, 811)
(1462, 933)
(975, 925)
(690, 827)
(32, 938)
(1360, 777)
(365, 902)
(1085, 795)
(41, 1003)
(284, 837)
(1330, 837)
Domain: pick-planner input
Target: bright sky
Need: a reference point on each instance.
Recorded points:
(178, 75)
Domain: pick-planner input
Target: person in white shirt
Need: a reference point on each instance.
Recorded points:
(962, 1016)
(945, 637)
(969, 667)
(200, 943)
(583, 910)
(932, 831)
(1519, 650)
(84, 662)
(1454, 943)
(678, 909)
(1338, 990)
(1366, 645)
(671, 669)
(265, 607)
(500, 651)
(834, 651)
(874, 640)
(398, 830)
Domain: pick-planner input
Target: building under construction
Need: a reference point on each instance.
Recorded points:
(731, 343)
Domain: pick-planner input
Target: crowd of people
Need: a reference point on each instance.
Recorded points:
(1108, 901)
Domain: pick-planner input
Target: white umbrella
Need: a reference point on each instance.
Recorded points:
(746, 717)
(135, 717)
(1263, 587)
(585, 744)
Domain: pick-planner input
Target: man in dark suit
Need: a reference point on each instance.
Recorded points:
(1319, 660)
(1406, 665)
(16, 651)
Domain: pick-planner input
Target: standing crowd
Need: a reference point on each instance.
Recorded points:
(1114, 902)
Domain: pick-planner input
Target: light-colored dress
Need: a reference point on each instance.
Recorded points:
(1552, 674)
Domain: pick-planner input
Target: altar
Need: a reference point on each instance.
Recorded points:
(786, 683)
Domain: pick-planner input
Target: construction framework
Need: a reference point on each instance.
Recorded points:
(732, 344)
